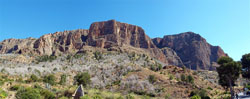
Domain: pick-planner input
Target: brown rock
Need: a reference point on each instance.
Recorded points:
(193, 50)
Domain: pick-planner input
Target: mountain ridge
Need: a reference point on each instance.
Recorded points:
(117, 36)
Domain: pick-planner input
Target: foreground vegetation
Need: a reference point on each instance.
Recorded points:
(156, 80)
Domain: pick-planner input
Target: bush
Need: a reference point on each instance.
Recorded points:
(46, 58)
(98, 55)
(82, 78)
(151, 78)
(248, 87)
(130, 97)
(50, 79)
(63, 98)
(47, 94)
(187, 79)
(156, 67)
(15, 87)
(120, 97)
(97, 96)
(202, 93)
(3, 94)
(183, 78)
(77, 56)
(171, 77)
(85, 97)
(28, 93)
(195, 97)
(37, 86)
(190, 79)
(63, 79)
(33, 78)
(209, 88)
(167, 96)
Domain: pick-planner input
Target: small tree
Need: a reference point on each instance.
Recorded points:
(245, 61)
(229, 72)
(82, 78)
(50, 79)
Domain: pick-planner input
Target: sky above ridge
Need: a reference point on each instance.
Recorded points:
(221, 22)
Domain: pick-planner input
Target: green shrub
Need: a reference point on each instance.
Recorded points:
(117, 82)
(3, 94)
(55, 69)
(98, 55)
(15, 87)
(20, 79)
(63, 79)
(63, 97)
(69, 57)
(209, 88)
(85, 97)
(28, 93)
(190, 79)
(96, 96)
(151, 78)
(37, 86)
(167, 96)
(195, 97)
(120, 97)
(47, 94)
(183, 78)
(50, 79)
(77, 56)
(156, 67)
(82, 78)
(33, 78)
(171, 77)
(202, 93)
(248, 87)
(46, 58)
(130, 97)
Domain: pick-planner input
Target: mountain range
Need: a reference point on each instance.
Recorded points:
(185, 49)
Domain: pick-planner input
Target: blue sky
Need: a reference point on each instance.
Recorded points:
(222, 22)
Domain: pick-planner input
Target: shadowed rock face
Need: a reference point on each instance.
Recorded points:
(187, 49)
(193, 50)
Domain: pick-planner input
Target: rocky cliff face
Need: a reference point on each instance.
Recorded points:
(111, 33)
(184, 49)
(193, 50)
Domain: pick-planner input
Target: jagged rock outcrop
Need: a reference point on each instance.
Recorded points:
(61, 42)
(193, 50)
(19, 46)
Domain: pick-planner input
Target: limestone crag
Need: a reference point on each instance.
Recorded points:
(193, 50)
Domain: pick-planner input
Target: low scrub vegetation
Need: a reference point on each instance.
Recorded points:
(46, 58)
(3, 94)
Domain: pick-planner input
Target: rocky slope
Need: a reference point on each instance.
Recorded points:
(113, 71)
(193, 50)
(187, 49)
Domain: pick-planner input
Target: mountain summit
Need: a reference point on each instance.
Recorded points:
(185, 49)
